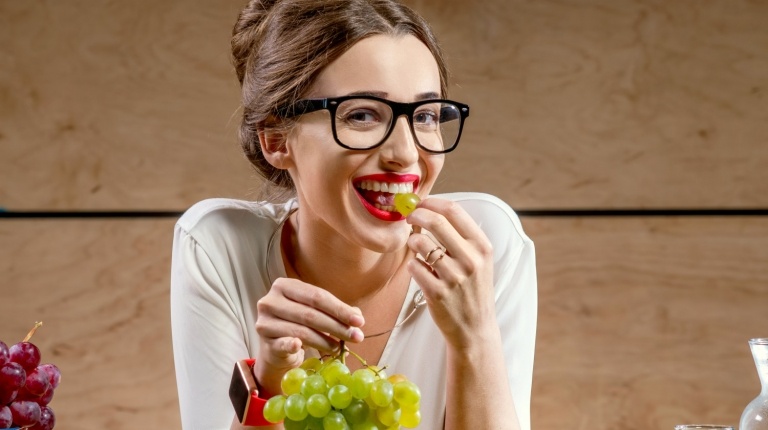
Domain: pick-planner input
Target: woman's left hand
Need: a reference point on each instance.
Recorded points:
(457, 279)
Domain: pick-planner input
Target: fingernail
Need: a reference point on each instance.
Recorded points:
(357, 319)
(356, 335)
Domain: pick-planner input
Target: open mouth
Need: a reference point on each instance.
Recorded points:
(381, 195)
(377, 193)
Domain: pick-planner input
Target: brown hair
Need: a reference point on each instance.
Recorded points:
(280, 46)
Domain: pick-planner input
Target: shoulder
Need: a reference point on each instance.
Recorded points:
(206, 210)
(228, 219)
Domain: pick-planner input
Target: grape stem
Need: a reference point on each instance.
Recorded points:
(359, 358)
(343, 350)
(38, 324)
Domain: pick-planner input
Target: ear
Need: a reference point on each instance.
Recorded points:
(274, 147)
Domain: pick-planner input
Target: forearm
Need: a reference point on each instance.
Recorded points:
(478, 394)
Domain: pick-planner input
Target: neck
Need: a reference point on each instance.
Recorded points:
(350, 272)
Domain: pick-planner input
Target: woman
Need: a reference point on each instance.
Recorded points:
(339, 109)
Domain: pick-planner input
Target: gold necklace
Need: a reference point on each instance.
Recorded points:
(418, 297)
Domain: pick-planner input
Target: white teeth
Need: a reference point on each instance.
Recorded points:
(387, 187)
(384, 208)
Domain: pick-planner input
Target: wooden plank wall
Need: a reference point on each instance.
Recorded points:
(601, 104)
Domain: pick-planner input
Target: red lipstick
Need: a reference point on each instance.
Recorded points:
(383, 198)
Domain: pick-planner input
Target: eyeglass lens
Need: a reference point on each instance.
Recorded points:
(364, 123)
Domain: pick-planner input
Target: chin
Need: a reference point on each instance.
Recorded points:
(386, 240)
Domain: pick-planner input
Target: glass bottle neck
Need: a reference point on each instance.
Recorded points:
(759, 349)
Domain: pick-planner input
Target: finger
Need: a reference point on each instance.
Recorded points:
(275, 330)
(431, 248)
(437, 261)
(440, 232)
(426, 247)
(452, 212)
(428, 280)
(320, 299)
(285, 347)
(301, 321)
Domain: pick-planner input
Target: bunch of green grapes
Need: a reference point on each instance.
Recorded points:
(325, 395)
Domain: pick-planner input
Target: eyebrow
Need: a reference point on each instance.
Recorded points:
(381, 94)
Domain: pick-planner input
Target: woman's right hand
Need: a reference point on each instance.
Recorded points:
(294, 315)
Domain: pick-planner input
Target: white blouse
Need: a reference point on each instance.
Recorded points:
(218, 274)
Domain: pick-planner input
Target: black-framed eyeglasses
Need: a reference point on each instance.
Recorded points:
(365, 122)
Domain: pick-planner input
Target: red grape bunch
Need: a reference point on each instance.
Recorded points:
(26, 386)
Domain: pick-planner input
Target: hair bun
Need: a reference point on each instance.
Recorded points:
(246, 32)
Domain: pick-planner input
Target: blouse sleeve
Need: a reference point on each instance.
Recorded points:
(516, 309)
(208, 333)
(516, 294)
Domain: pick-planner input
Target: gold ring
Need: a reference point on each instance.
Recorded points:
(438, 247)
(442, 254)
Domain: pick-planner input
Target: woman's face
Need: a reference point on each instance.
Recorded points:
(330, 179)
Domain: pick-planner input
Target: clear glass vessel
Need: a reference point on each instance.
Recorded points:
(755, 415)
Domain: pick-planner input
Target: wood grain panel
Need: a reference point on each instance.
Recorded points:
(643, 323)
(589, 103)
(118, 105)
(101, 289)
(604, 103)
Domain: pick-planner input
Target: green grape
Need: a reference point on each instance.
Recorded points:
(361, 383)
(296, 407)
(369, 401)
(313, 384)
(313, 423)
(378, 371)
(410, 407)
(274, 409)
(332, 372)
(289, 424)
(335, 421)
(311, 364)
(340, 396)
(318, 405)
(388, 415)
(407, 393)
(324, 395)
(382, 392)
(410, 419)
(292, 380)
(356, 412)
(366, 425)
(345, 379)
(406, 203)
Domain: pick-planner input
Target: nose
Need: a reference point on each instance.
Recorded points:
(400, 148)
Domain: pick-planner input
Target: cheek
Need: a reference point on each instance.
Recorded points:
(312, 148)
(433, 165)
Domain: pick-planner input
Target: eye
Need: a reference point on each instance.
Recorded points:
(361, 116)
(426, 117)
